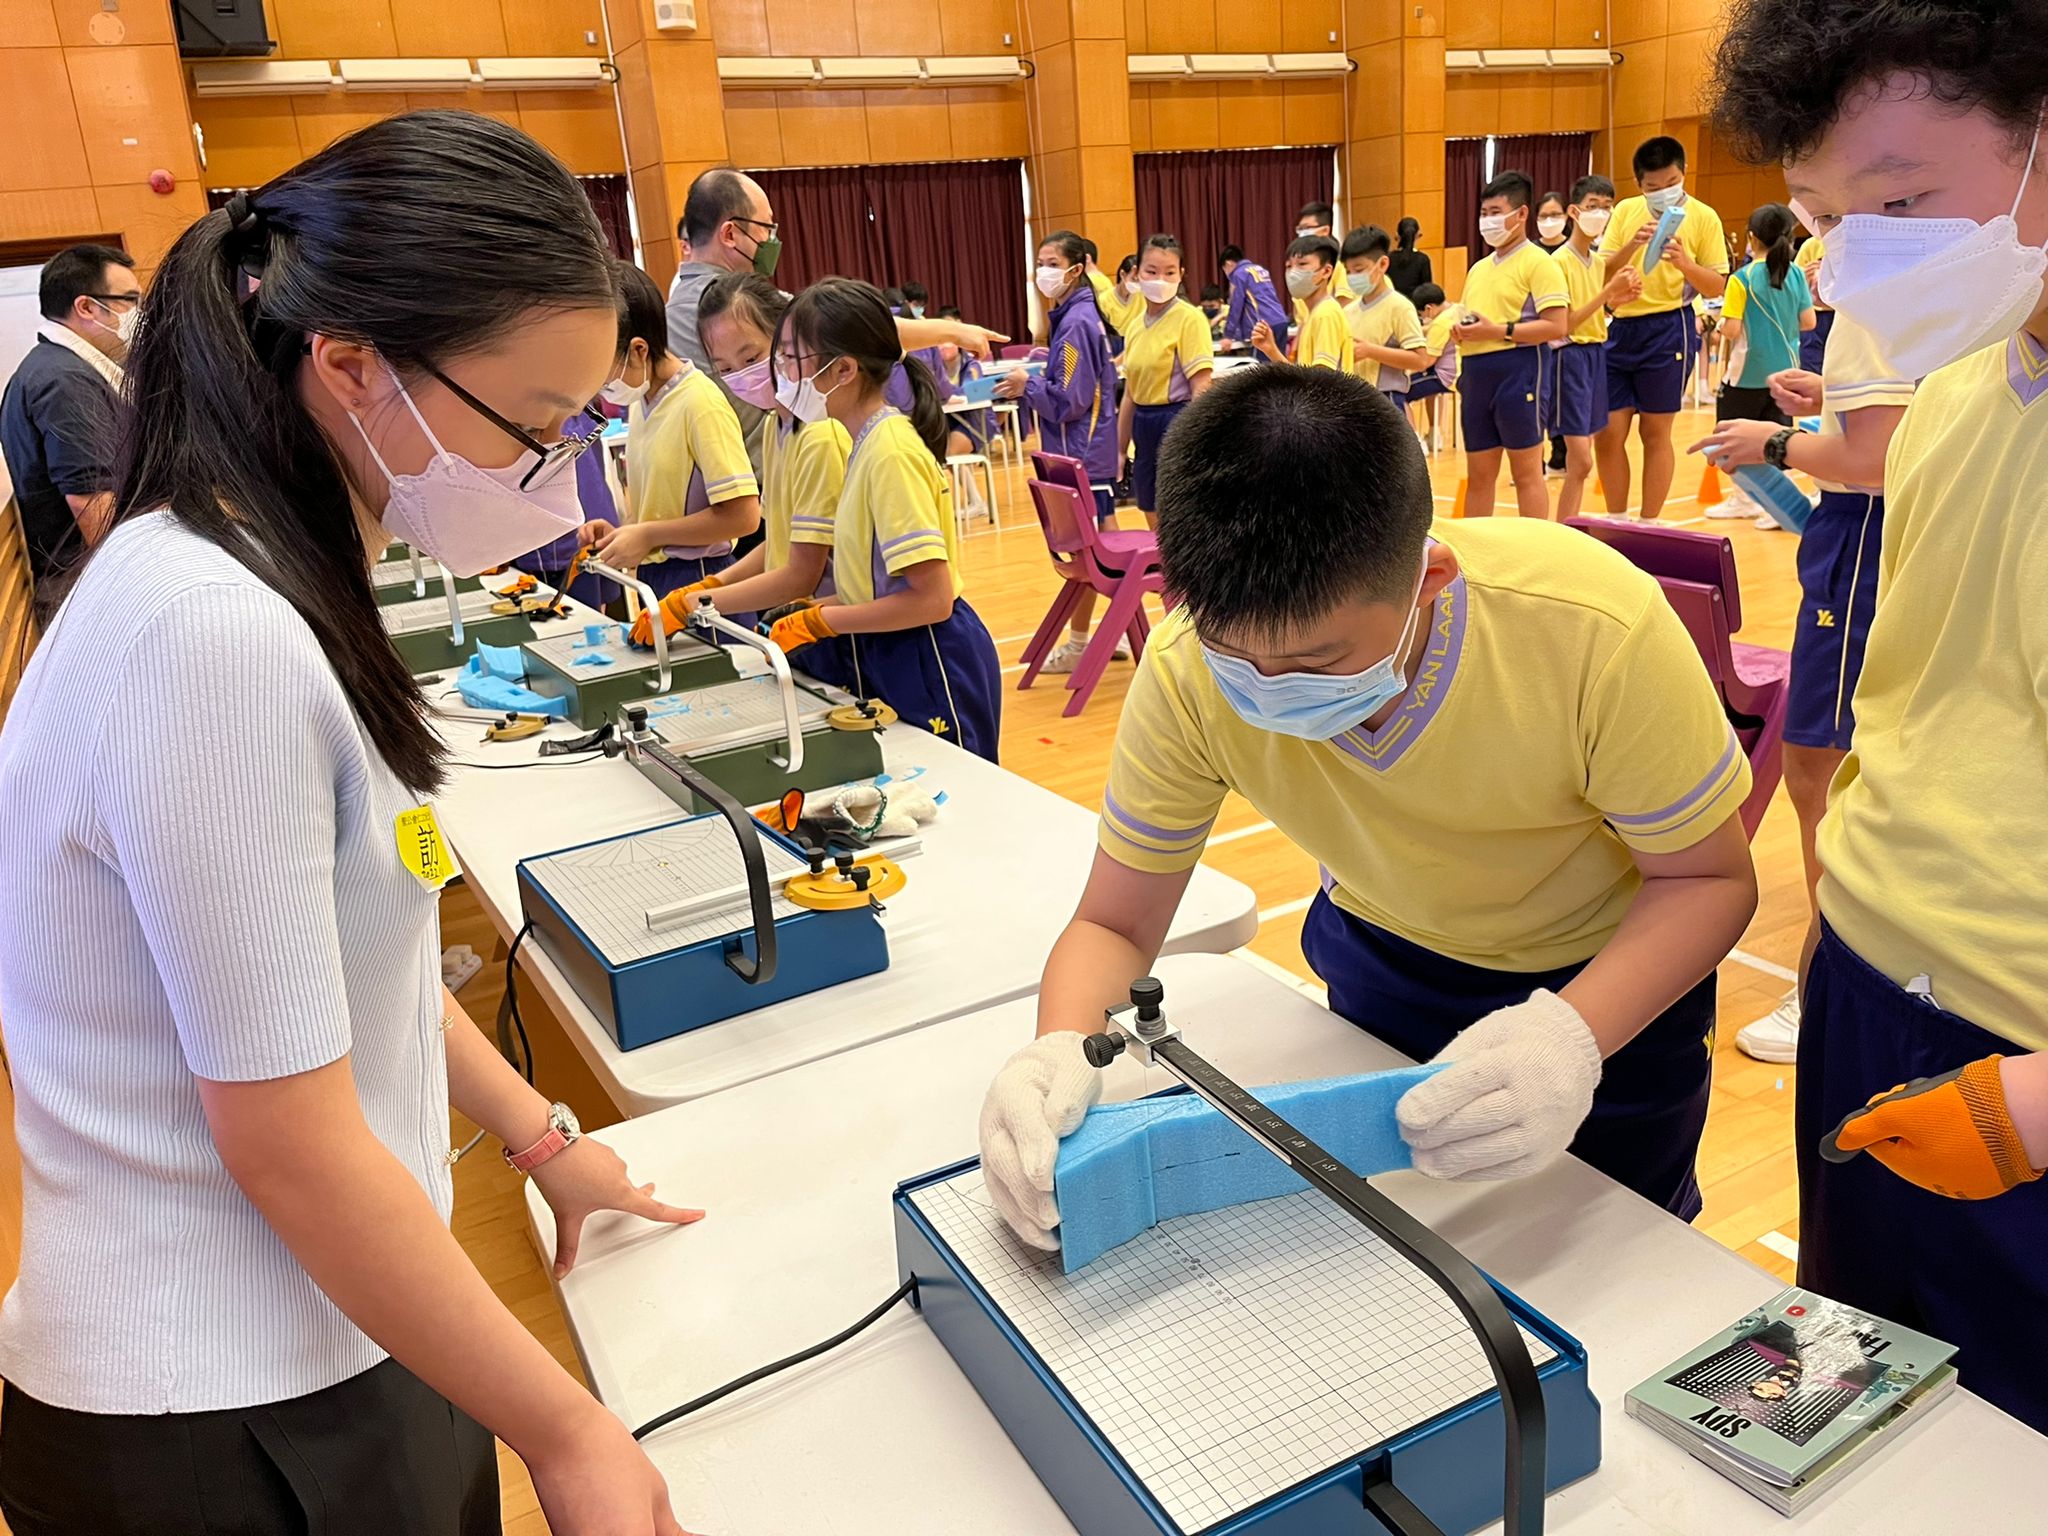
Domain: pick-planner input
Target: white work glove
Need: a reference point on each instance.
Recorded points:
(1520, 1083)
(1041, 1094)
(902, 808)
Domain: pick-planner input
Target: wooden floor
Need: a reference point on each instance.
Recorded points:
(1746, 1165)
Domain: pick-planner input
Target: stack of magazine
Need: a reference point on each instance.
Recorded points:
(1789, 1400)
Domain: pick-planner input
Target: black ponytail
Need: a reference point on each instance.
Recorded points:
(844, 317)
(1407, 231)
(353, 243)
(1772, 225)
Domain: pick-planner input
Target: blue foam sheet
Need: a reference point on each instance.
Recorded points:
(504, 661)
(592, 659)
(495, 693)
(1131, 1166)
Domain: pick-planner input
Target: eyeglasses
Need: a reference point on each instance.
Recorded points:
(553, 457)
(774, 229)
(115, 298)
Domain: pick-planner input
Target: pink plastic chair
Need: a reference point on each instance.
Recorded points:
(1017, 351)
(1697, 573)
(1122, 571)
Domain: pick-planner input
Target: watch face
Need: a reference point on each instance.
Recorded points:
(563, 1118)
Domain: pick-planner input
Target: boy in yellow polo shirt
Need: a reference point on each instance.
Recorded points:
(1515, 306)
(1360, 678)
(1655, 339)
(1924, 1028)
(1578, 379)
(1321, 339)
(1813, 344)
(1387, 343)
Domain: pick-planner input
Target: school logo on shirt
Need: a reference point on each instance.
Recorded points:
(938, 726)
(1824, 618)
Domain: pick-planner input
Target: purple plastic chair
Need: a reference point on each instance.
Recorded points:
(1697, 573)
(1122, 571)
(1017, 351)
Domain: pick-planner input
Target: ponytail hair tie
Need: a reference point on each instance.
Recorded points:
(242, 214)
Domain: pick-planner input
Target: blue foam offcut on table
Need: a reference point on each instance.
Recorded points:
(505, 661)
(493, 679)
(1131, 1166)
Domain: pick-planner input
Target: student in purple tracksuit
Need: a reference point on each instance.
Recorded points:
(1074, 399)
(1252, 298)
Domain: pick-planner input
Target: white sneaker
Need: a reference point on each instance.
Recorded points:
(1123, 649)
(1770, 524)
(1775, 1036)
(1732, 508)
(1067, 657)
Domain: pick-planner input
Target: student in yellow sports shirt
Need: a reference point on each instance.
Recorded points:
(1913, 146)
(1321, 339)
(1387, 343)
(1578, 376)
(1360, 677)
(1813, 344)
(1655, 340)
(691, 487)
(895, 626)
(1515, 306)
(803, 466)
(1168, 361)
(1439, 375)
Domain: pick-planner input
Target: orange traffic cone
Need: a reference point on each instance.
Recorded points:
(1710, 485)
(1458, 505)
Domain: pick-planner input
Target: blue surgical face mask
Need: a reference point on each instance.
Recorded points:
(1317, 706)
(1664, 199)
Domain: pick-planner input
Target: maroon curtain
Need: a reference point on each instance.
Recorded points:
(1553, 161)
(956, 227)
(1463, 161)
(607, 196)
(826, 228)
(1212, 198)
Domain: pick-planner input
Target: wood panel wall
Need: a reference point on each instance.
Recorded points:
(250, 139)
(87, 113)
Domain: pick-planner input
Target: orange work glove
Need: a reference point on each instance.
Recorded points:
(676, 609)
(804, 627)
(1952, 1134)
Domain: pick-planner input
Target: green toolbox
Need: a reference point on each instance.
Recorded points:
(600, 673)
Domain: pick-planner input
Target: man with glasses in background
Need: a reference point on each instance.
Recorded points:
(57, 415)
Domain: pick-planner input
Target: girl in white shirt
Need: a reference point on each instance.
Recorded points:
(240, 1308)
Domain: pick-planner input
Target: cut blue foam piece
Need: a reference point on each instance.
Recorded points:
(506, 661)
(592, 659)
(593, 634)
(481, 691)
(1131, 1166)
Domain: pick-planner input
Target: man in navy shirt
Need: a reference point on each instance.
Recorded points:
(57, 414)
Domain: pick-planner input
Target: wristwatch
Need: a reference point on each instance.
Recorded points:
(1509, 334)
(1776, 444)
(562, 1130)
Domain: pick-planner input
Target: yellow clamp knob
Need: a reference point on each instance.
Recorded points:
(832, 891)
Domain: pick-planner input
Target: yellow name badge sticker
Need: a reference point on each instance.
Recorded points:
(422, 849)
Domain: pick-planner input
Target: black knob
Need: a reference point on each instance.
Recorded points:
(860, 877)
(842, 860)
(817, 857)
(636, 717)
(1101, 1050)
(1148, 995)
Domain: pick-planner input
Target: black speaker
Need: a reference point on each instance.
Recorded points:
(223, 29)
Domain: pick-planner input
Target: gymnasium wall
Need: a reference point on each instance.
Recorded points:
(94, 101)
(1235, 114)
(250, 139)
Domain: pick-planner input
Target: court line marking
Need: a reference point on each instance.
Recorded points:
(1783, 1246)
(1758, 963)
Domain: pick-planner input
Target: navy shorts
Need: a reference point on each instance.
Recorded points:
(1426, 386)
(943, 678)
(1148, 431)
(1813, 344)
(1502, 394)
(1968, 1271)
(1649, 360)
(1580, 398)
(1651, 1105)
(1837, 595)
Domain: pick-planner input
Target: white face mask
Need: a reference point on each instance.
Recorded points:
(803, 399)
(1593, 222)
(1550, 226)
(1157, 290)
(469, 518)
(1303, 281)
(125, 321)
(618, 392)
(1493, 228)
(1664, 199)
(1052, 281)
(1933, 290)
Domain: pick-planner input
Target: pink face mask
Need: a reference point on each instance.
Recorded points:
(754, 384)
(469, 518)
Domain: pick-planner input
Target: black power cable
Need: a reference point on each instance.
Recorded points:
(905, 1289)
(512, 1000)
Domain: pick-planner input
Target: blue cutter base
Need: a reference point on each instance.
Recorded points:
(1449, 1468)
